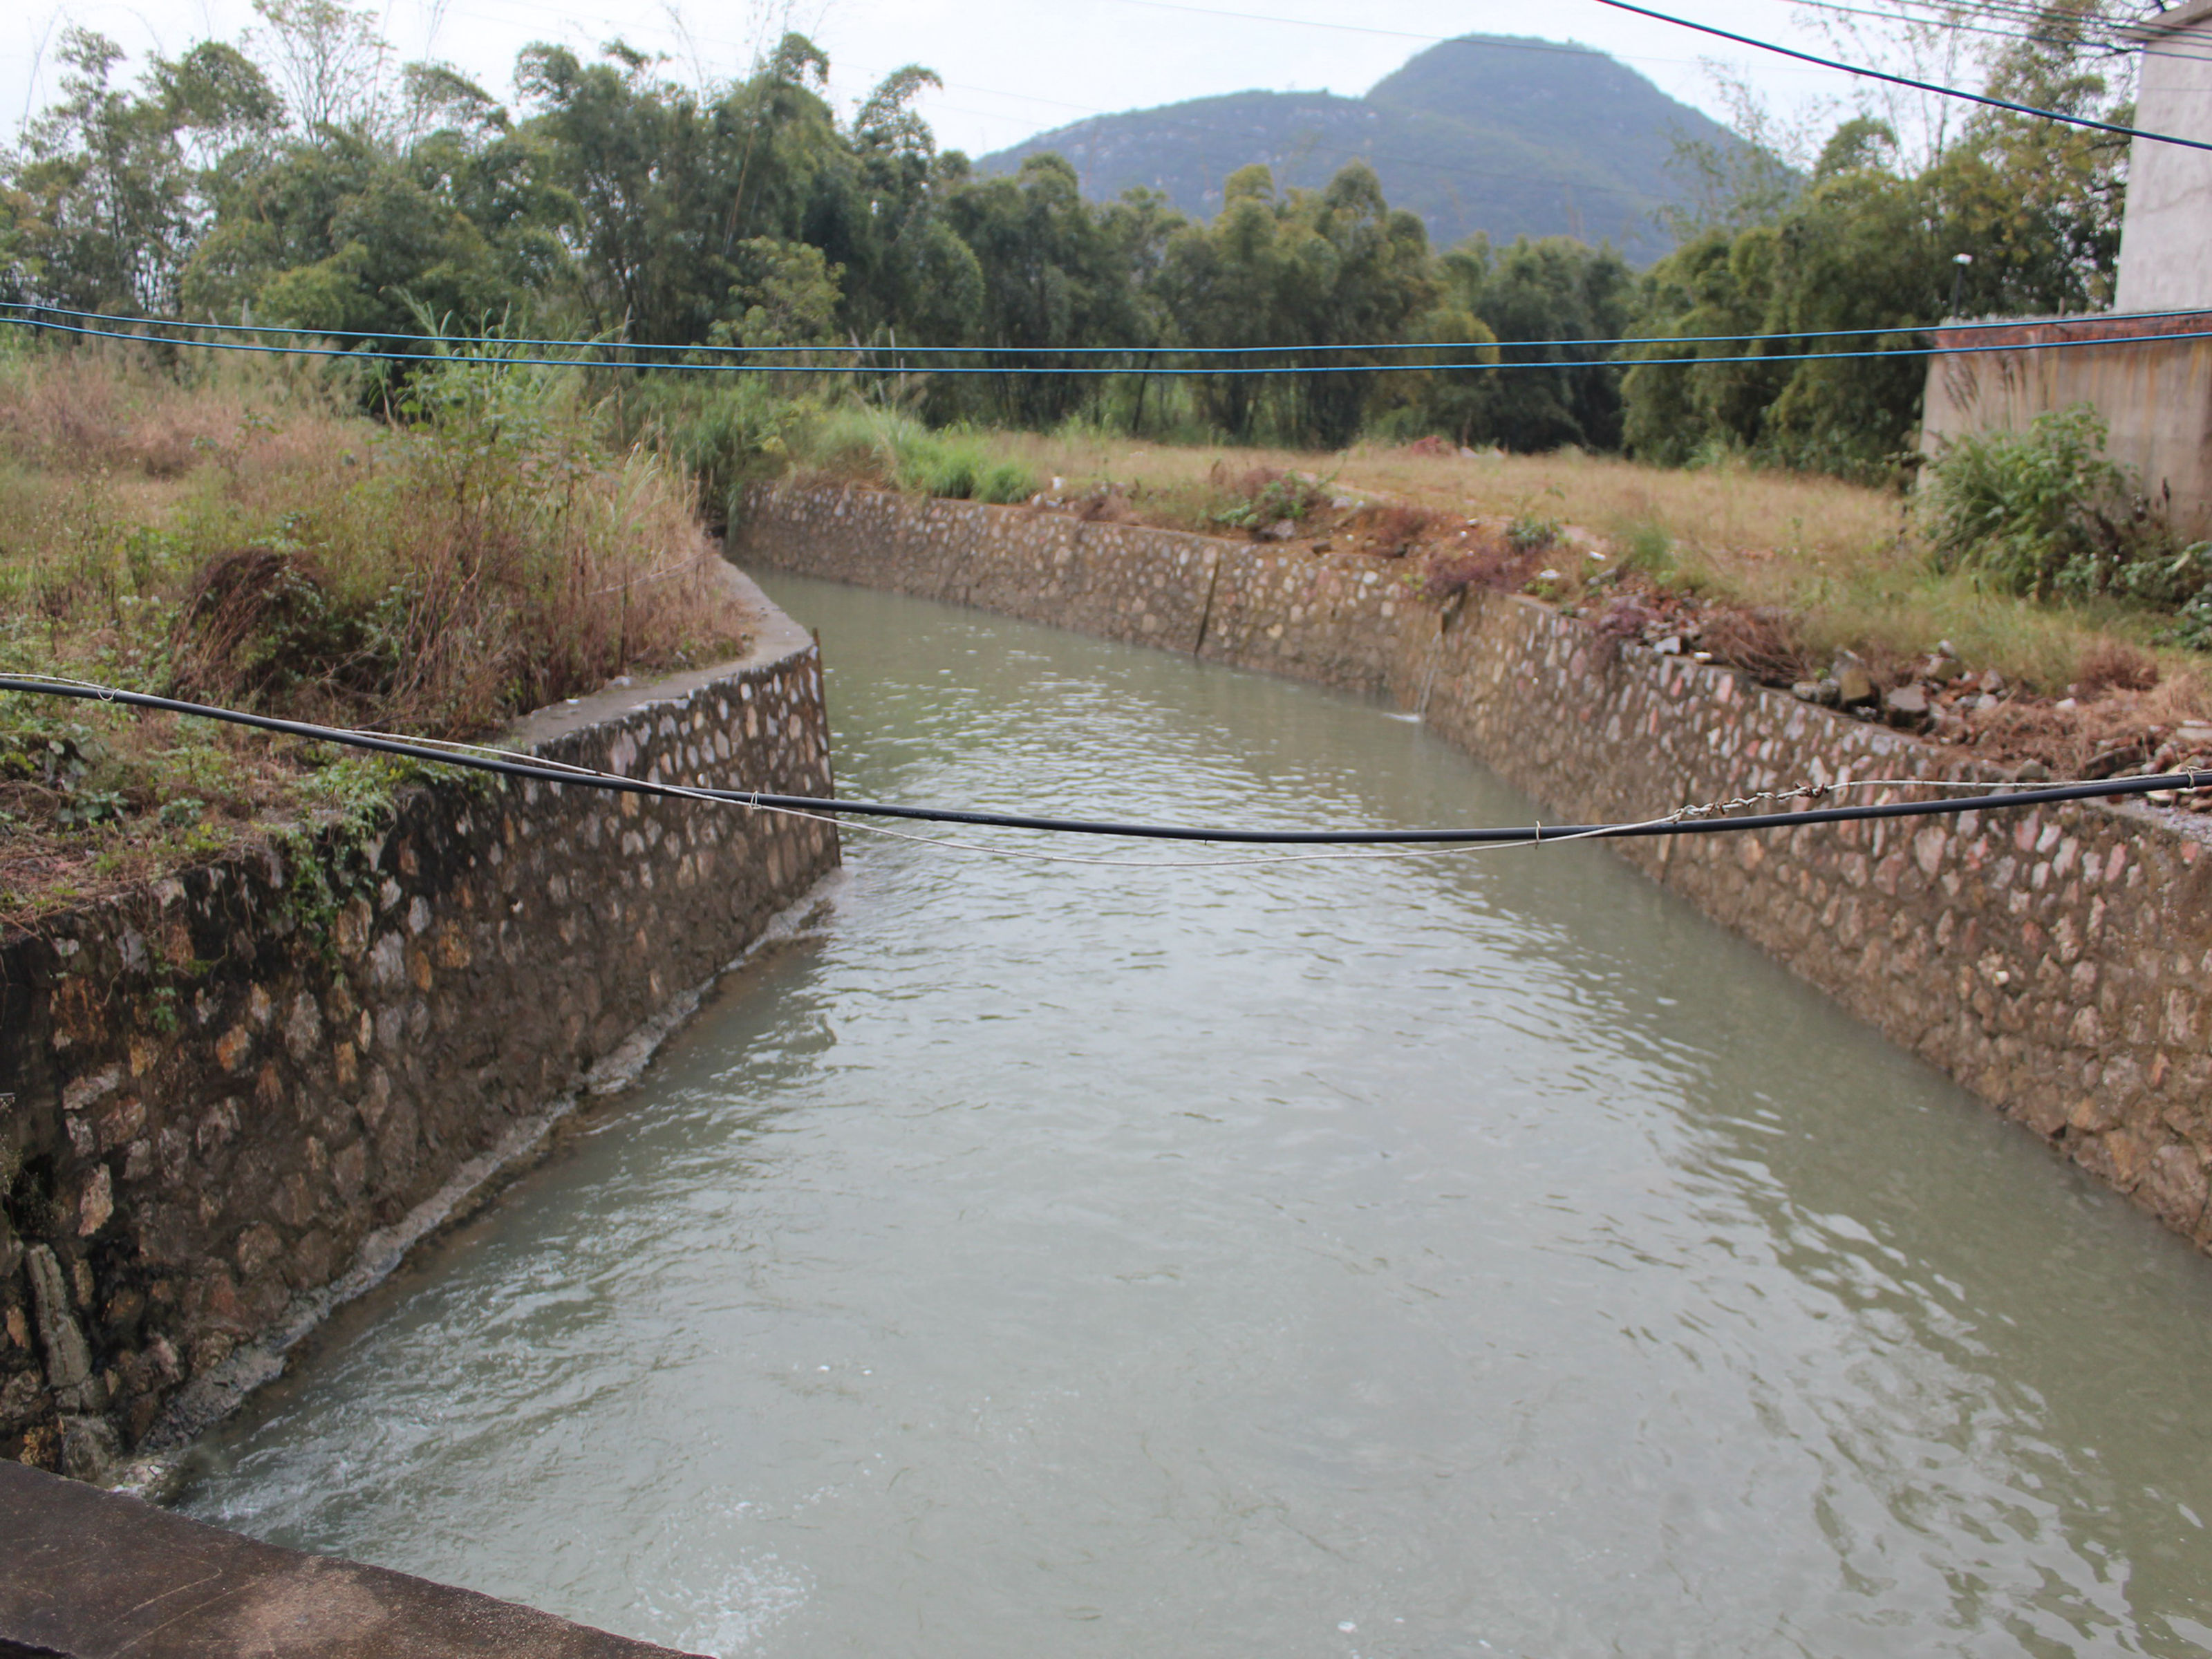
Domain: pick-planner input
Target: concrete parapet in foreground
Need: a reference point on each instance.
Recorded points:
(88, 1574)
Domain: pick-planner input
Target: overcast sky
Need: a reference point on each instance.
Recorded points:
(1012, 68)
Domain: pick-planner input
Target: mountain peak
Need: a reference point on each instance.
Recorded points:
(1505, 134)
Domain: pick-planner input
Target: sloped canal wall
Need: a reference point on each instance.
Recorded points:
(2055, 961)
(229, 1102)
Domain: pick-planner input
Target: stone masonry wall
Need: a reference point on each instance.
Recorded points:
(2054, 961)
(228, 1100)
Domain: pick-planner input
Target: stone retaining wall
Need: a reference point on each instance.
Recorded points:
(2055, 961)
(228, 1102)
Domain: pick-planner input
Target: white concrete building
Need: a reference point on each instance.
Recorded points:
(2166, 240)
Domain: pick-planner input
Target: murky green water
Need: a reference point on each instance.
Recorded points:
(1479, 1255)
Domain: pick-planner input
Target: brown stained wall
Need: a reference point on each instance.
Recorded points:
(2055, 961)
(228, 1100)
(2154, 391)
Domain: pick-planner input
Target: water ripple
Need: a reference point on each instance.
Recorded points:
(1477, 1256)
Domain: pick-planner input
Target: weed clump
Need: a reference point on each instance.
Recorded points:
(1394, 529)
(1765, 640)
(855, 444)
(2114, 666)
(1489, 562)
(1263, 500)
(261, 628)
(729, 434)
(1530, 533)
(2032, 513)
(951, 470)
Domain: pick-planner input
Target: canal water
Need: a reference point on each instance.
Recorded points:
(1477, 1255)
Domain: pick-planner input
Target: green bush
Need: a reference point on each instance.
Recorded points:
(956, 467)
(853, 441)
(931, 466)
(2037, 512)
(882, 446)
(1646, 548)
(2043, 514)
(1005, 483)
(729, 433)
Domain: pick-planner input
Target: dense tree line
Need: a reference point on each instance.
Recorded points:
(2002, 215)
(304, 180)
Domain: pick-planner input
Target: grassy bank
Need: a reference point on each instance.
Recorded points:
(247, 537)
(500, 537)
(1791, 576)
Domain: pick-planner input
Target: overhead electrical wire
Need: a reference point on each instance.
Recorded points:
(1865, 73)
(1684, 822)
(2037, 20)
(37, 320)
(1953, 25)
(1499, 365)
(1949, 17)
(571, 344)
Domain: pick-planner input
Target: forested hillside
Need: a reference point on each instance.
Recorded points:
(303, 180)
(1500, 136)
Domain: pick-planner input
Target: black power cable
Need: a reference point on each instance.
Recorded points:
(539, 773)
(1865, 73)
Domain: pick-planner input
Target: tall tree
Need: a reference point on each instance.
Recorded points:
(1336, 268)
(112, 189)
(1054, 275)
(669, 182)
(1537, 295)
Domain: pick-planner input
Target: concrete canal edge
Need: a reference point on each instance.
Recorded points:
(2055, 962)
(230, 1102)
(92, 1573)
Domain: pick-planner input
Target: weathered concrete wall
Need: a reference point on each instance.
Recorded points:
(90, 1573)
(2154, 391)
(2055, 961)
(229, 1101)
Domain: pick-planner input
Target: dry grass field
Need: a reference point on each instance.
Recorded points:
(1845, 561)
(249, 538)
